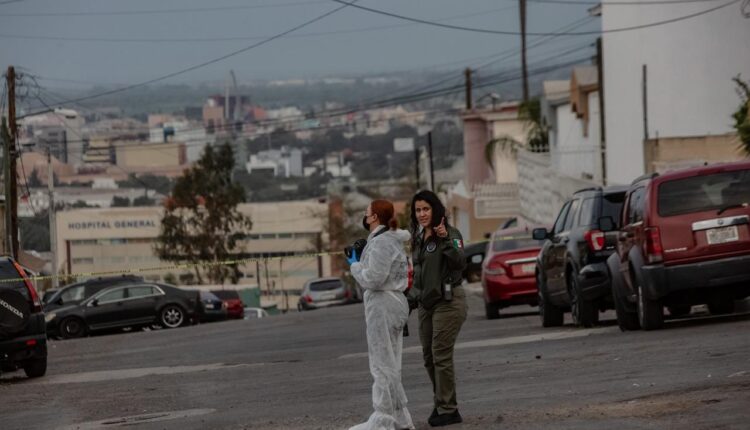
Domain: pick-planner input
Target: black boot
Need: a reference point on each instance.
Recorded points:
(445, 419)
(433, 415)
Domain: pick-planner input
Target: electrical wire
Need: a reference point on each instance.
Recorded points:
(243, 38)
(530, 33)
(209, 62)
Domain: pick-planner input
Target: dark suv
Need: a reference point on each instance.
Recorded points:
(23, 340)
(685, 240)
(571, 267)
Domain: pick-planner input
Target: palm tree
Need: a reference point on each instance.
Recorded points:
(537, 135)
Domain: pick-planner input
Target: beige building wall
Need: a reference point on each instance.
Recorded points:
(150, 155)
(121, 239)
(662, 155)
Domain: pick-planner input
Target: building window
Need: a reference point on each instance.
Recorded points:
(84, 242)
(286, 235)
(85, 260)
(268, 236)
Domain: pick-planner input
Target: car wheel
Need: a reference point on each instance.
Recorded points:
(72, 327)
(679, 310)
(650, 312)
(584, 312)
(627, 317)
(36, 368)
(721, 306)
(551, 315)
(491, 311)
(172, 316)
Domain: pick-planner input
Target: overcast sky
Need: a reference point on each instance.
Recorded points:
(401, 47)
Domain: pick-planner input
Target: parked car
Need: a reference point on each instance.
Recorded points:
(234, 305)
(78, 291)
(323, 292)
(685, 240)
(255, 313)
(475, 255)
(508, 273)
(212, 307)
(23, 339)
(129, 305)
(572, 272)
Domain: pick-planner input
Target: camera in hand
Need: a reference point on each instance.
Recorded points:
(358, 246)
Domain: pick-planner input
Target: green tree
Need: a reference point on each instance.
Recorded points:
(201, 223)
(120, 202)
(34, 232)
(143, 201)
(537, 132)
(742, 116)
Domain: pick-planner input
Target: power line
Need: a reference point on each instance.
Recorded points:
(515, 33)
(165, 11)
(622, 3)
(209, 62)
(241, 38)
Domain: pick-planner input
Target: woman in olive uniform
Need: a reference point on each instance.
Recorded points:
(437, 253)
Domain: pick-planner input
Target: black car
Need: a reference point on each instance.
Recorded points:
(572, 268)
(212, 307)
(77, 292)
(474, 254)
(129, 305)
(23, 340)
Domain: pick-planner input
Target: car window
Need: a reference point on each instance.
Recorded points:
(73, 294)
(227, 294)
(112, 296)
(325, 285)
(586, 213)
(7, 272)
(508, 243)
(635, 206)
(570, 219)
(560, 222)
(611, 206)
(702, 193)
(141, 291)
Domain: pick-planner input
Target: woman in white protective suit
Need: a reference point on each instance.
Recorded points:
(382, 271)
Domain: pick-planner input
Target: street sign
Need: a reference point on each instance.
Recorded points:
(403, 144)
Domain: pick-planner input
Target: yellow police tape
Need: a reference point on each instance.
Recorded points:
(203, 264)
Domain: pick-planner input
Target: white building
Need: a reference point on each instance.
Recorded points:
(192, 134)
(285, 162)
(689, 93)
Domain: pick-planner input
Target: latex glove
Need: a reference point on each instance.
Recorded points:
(353, 259)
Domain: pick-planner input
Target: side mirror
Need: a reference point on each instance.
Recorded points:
(59, 301)
(540, 234)
(477, 258)
(487, 235)
(94, 302)
(606, 223)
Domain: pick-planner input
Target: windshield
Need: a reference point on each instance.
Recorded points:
(325, 285)
(702, 193)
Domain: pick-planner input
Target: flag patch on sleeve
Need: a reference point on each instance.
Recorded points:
(458, 243)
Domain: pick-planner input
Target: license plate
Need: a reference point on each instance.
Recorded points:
(528, 268)
(717, 236)
(325, 297)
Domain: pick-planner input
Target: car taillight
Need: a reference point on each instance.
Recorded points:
(37, 304)
(654, 251)
(494, 267)
(595, 239)
(308, 299)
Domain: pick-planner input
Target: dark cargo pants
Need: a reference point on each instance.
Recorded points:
(438, 330)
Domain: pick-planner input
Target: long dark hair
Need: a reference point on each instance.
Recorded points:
(438, 211)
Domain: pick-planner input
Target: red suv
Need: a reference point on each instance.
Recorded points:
(234, 305)
(685, 240)
(508, 270)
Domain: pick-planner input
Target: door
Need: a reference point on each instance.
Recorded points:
(631, 232)
(106, 309)
(141, 304)
(560, 252)
(550, 257)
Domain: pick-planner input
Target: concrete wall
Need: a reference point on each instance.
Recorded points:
(662, 155)
(475, 139)
(151, 155)
(543, 191)
(690, 67)
(574, 145)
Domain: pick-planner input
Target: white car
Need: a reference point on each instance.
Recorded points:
(254, 313)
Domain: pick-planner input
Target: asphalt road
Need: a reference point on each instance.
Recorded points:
(309, 371)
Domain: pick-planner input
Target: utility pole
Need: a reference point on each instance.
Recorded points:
(432, 170)
(51, 213)
(524, 70)
(6, 183)
(11, 180)
(602, 117)
(645, 103)
(467, 74)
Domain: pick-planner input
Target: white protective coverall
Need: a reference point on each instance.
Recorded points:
(382, 272)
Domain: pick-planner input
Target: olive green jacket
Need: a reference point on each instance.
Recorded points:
(436, 260)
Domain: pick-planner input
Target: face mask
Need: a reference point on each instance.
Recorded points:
(365, 224)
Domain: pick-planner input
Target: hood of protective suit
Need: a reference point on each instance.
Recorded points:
(383, 265)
